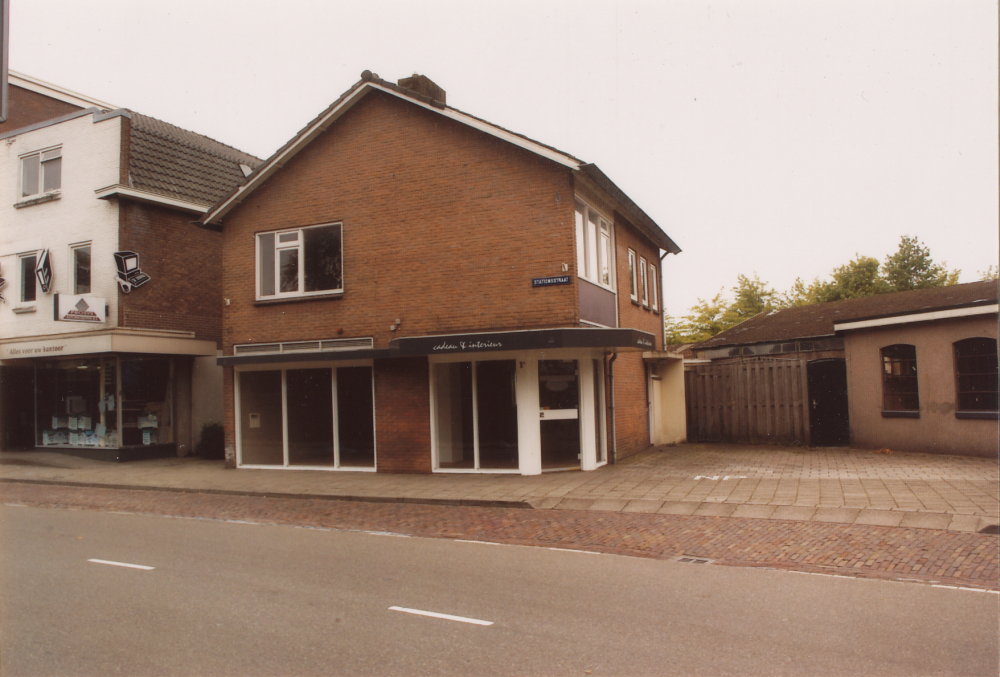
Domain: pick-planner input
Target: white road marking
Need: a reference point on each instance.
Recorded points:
(385, 533)
(121, 564)
(585, 552)
(447, 617)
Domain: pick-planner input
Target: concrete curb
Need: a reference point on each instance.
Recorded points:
(521, 505)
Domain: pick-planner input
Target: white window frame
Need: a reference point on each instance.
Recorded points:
(74, 269)
(595, 247)
(21, 259)
(653, 277)
(299, 246)
(644, 282)
(334, 413)
(632, 274)
(47, 159)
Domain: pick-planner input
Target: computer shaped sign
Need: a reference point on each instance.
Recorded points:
(129, 273)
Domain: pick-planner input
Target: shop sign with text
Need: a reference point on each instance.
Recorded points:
(80, 308)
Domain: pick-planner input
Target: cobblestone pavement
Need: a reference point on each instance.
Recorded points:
(949, 558)
(829, 485)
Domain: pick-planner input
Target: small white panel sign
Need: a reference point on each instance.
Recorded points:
(81, 308)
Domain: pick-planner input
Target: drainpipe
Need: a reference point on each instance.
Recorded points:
(611, 385)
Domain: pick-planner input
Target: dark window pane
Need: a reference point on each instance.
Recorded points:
(288, 259)
(266, 243)
(81, 263)
(310, 416)
(899, 378)
(355, 417)
(976, 374)
(28, 278)
(323, 259)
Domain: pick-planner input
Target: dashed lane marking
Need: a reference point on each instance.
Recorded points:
(447, 617)
(121, 564)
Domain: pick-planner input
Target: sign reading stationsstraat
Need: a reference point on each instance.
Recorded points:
(549, 281)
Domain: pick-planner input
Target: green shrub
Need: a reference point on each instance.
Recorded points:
(212, 444)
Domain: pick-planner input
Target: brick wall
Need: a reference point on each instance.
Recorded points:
(937, 430)
(444, 228)
(403, 415)
(183, 262)
(631, 418)
(26, 108)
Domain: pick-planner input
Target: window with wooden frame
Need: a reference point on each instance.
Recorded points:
(594, 251)
(300, 262)
(643, 282)
(653, 278)
(900, 396)
(633, 291)
(976, 378)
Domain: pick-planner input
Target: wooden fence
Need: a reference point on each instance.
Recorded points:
(757, 400)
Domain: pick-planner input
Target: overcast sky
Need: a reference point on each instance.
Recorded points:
(777, 138)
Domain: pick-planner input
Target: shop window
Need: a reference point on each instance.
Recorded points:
(41, 172)
(147, 401)
(76, 405)
(643, 282)
(81, 269)
(476, 415)
(28, 287)
(307, 418)
(976, 378)
(633, 290)
(593, 246)
(301, 262)
(899, 381)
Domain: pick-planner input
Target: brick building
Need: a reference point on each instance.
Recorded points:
(409, 288)
(913, 371)
(111, 315)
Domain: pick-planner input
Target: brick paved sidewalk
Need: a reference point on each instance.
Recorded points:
(919, 555)
(837, 485)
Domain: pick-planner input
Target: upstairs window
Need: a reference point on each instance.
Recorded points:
(28, 263)
(81, 269)
(643, 282)
(653, 277)
(300, 262)
(899, 380)
(41, 172)
(593, 246)
(976, 375)
(633, 270)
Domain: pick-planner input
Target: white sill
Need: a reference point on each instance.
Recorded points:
(267, 300)
(21, 310)
(38, 199)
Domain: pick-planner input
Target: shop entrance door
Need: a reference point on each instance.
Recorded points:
(559, 413)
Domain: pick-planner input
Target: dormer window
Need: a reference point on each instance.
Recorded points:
(41, 172)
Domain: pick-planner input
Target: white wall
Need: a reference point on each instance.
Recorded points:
(90, 160)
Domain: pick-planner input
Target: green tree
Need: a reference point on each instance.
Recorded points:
(853, 280)
(990, 273)
(912, 267)
(704, 321)
(752, 297)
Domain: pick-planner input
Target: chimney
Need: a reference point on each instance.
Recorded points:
(421, 84)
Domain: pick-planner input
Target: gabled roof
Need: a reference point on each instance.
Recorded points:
(167, 160)
(56, 92)
(820, 319)
(370, 82)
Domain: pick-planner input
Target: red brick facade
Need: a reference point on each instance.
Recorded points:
(182, 261)
(444, 228)
(27, 108)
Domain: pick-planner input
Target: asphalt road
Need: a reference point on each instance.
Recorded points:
(226, 598)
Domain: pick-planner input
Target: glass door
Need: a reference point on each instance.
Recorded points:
(559, 413)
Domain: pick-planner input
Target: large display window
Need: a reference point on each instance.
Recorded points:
(105, 402)
(307, 418)
(76, 403)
